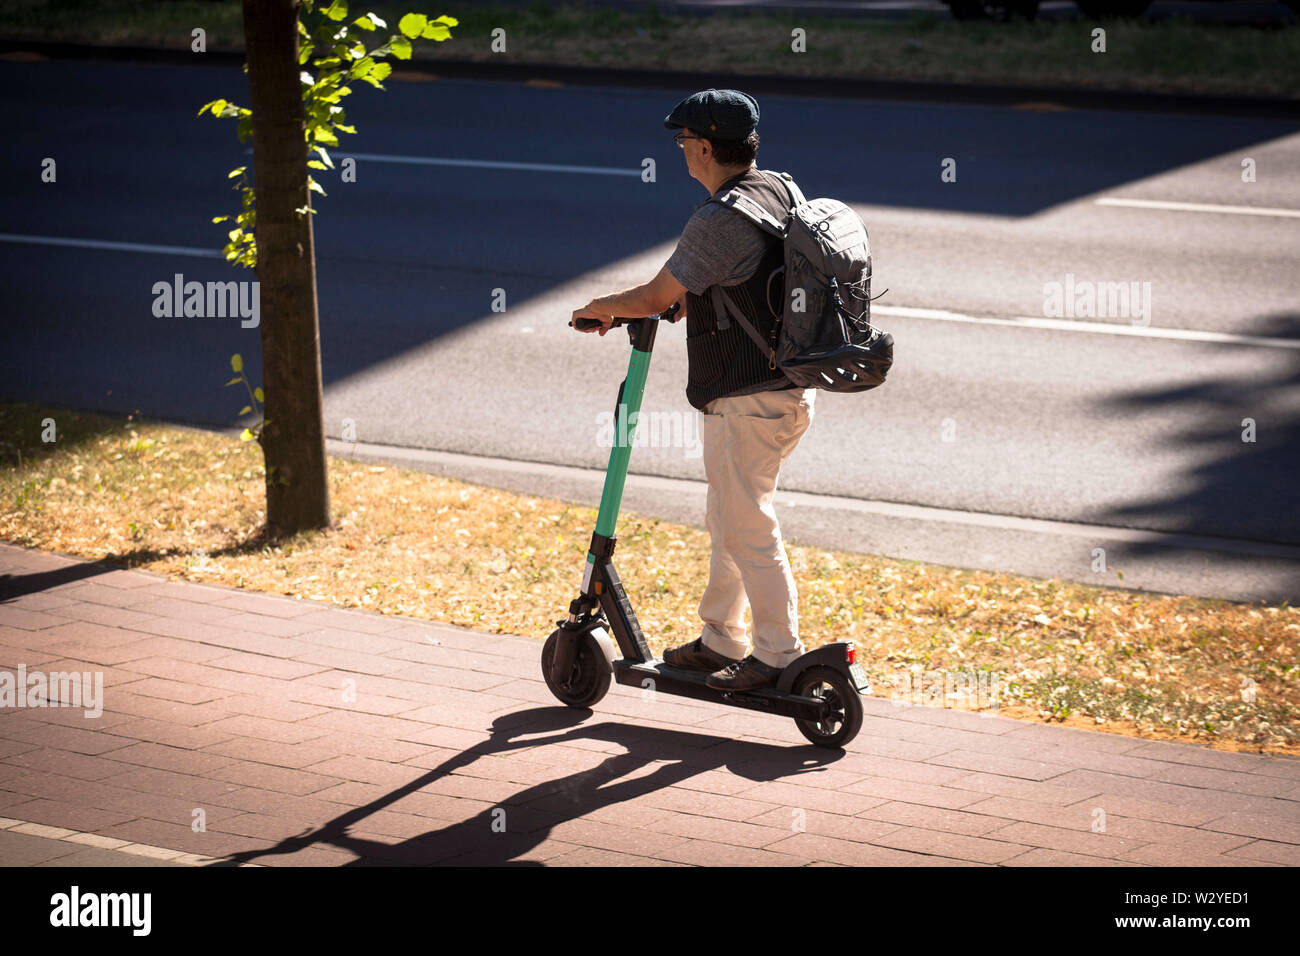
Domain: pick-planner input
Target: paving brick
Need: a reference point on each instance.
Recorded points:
(1071, 756)
(102, 593)
(264, 666)
(953, 845)
(292, 756)
(364, 770)
(172, 735)
(973, 823)
(258, 604)
(85, 632)
(603, 836)
(175, 690)
(279, 779)
(359, 621)
(51, 760)
(1195, 838)
(986, 784)
(269, 708)
(68, 738)
(917, 771)
(103, 614)
(1042, 857)
(999, 810)
(211, 843)
(788, 795)
(788, 820)
(729, 832)
(1287, 854)
(71, 816)
(700, 852)
(1162, 854)
(706, 804)
(1254, 825)
(258, 800)
(125, 702)
(591, 857)
(182, 610)
(260, 728)
(186, 787)
(822, 848)
(909, 792)
(1058, 838)
(1198, 797)
(176, 759)
(1178, 752)
(1002, 766)
(262, 626)
(1150, 810)
(1234, 781)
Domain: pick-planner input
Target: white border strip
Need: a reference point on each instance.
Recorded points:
(1199, 207)
(97, 842)
(1097, 328)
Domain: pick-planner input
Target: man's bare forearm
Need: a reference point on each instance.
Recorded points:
(630, 302)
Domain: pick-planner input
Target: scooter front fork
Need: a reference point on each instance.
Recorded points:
(570, 633)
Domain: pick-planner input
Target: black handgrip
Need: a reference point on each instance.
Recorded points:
(583, 325)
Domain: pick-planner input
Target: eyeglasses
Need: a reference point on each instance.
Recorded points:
(681, 135)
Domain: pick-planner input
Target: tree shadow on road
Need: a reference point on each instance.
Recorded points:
(1243, 471)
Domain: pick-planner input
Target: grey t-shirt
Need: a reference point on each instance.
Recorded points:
(717, 247)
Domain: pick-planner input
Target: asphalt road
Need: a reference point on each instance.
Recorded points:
(1064, 424)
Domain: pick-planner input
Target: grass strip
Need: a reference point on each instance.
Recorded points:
(189, 504)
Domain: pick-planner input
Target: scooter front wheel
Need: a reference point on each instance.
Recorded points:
(845, 718)
(589, 678)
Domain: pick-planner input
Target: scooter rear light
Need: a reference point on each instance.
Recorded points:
(850, 652)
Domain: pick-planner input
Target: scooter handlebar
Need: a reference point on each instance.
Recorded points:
(668, 315)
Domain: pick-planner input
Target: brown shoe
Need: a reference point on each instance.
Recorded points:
(749, 674)
(696, 657)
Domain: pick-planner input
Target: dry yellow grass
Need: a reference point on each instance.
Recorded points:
(189, 504)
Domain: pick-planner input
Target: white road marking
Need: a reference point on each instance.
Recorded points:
(111, 246)
(1098, 328)
(491, 164)
(1199, 207)
(902, 312)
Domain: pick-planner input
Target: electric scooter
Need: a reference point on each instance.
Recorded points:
(821, 689)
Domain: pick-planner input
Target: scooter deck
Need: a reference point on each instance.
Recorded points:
(682, 682)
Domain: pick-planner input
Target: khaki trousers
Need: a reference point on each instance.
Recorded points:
(745, 441)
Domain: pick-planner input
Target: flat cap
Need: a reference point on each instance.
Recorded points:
(725, 114)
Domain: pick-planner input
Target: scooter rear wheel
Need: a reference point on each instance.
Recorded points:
(845, 718)
(588, 680)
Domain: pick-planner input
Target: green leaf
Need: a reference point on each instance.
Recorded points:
(436, 31)
(365, 22)
(220, 219)
(450, 21)
(257, 392)
(412, 25)
(238, 378)
(246, 409)
(337, 10)
(361, 67)
(245, 129)
(344, 128)
(380, 72)
(236, 172)
(401, 48)
(316, 164)
(314, 186)
(246, 435)
(216, 106)
(237, 362)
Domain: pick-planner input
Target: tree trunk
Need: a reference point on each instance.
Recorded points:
(293, 440)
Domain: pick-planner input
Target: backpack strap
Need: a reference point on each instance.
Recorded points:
(724, 306)
(751, 210)
(796, 195)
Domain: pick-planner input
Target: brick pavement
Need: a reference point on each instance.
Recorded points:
(246, 728)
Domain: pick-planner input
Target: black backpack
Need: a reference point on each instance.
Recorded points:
(823, 337)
